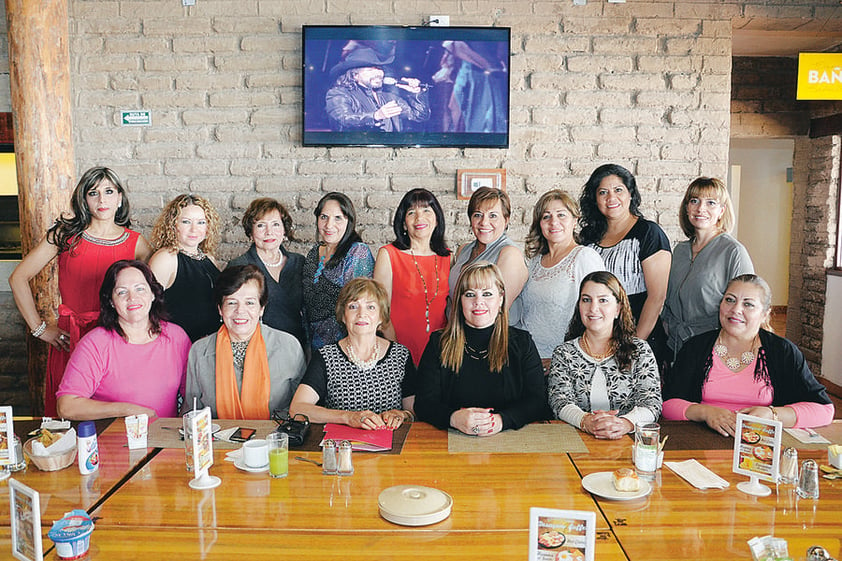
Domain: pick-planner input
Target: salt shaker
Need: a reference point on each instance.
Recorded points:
(345, 465)
(329, 457)
(808, 482)
(789, 466)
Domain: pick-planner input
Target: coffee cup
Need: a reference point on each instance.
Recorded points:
(255, 453)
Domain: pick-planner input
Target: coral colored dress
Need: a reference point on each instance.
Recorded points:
(409, 303)
(80, 274)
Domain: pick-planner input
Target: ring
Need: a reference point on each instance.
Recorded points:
(363, 419)
(63, 337)
(475, 429)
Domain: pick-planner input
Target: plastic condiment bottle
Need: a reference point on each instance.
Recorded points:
(87, 453)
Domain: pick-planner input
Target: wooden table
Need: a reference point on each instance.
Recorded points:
(154, 515)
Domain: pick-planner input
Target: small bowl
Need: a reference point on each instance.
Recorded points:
(49, 463)
(72, 535)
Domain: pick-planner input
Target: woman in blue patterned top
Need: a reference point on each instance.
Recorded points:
(338, 256)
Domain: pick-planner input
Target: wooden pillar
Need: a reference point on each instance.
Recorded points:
(39, 67)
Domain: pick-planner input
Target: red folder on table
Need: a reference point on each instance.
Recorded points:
(367, 440)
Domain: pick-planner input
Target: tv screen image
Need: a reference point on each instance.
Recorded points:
(406, 86)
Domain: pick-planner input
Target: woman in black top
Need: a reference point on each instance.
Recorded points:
(267, 224)
(186, 235)
(478, 375)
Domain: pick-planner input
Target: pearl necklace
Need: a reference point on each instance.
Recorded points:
(363, 364)
(587, 348)
(276, 263)
(427, 301)
(733, 363)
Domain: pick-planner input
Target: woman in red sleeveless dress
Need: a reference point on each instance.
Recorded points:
(86, 243)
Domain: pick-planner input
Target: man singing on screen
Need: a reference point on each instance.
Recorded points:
(357, 100)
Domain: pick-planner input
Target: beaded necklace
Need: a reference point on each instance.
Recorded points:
(427, 301)
(363, 364)
(199, 255)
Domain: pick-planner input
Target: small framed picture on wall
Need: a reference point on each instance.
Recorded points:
(469, 180)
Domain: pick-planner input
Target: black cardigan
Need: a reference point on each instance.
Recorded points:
(780, 364)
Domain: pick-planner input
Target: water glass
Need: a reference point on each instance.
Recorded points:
(188, 437)
(808, 483)
(647, 438)
(278, 454)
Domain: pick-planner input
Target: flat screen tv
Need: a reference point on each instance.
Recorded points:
(406, 86)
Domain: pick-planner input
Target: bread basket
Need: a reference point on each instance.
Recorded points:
(49, 463)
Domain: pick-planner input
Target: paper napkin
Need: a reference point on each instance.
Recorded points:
(697, 475)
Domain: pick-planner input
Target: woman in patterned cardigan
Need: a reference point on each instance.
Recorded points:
(603, 379)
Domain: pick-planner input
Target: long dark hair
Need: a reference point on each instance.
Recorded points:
(593, 223)
(419, 198)
(350, 237)
(108, 317)
(66, 232)
(622, 337)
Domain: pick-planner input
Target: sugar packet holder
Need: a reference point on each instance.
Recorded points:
(769, 548)
(137, 430)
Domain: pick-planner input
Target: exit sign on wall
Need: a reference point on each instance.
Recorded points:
(819, 76)
(138, 118)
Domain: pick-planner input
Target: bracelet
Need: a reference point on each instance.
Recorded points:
(774, 413)
(38, 331)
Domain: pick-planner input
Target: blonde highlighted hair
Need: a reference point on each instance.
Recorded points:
(479, 274)
(711, 188)
(164, 235)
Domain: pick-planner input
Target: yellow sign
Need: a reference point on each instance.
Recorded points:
(819, 76)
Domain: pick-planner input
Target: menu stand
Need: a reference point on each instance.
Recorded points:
(202, 451)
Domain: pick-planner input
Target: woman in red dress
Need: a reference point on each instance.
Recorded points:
(86, 242)
(415, 270)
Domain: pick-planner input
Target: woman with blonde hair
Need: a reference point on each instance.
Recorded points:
(702, 265)
(186, 235)
(557, 265)
(478, 375)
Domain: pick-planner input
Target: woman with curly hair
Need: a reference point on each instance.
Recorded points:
(636, 250)
(86, 242)
(603, 379)
(186, 234)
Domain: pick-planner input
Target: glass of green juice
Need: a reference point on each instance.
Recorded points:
(278, 454)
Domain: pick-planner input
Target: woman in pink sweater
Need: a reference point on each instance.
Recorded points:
(744, 368)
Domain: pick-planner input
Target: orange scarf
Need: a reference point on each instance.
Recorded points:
(253, 402)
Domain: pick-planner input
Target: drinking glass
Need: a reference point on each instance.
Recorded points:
(647, 437)
(278, 454)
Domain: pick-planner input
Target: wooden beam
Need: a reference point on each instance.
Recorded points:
(39, 68)
(826, 126)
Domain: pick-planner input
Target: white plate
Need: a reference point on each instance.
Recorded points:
(601, 484)
(240, 465)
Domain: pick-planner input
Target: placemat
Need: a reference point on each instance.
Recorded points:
(832, 432)
(536, 438)
(164, 433)
(690, 435)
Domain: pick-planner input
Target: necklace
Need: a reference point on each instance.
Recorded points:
(733, 363)
(363, 364)
(475, 354)
(198, 255)
(276, 263)
(427, 301)
(598, 356)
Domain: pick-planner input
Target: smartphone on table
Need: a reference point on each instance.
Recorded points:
(242, 434)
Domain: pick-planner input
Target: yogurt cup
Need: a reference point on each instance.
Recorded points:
(72, 535)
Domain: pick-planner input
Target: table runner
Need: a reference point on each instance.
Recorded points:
(536, 438)
(164, 433)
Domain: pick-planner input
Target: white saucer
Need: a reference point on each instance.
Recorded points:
(240, 465)
(601, 484)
